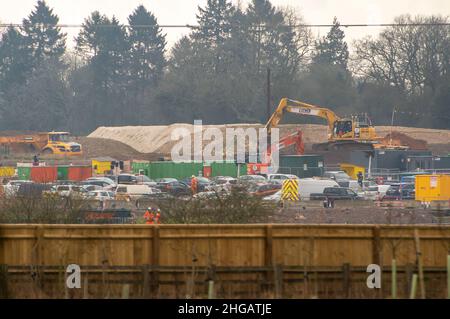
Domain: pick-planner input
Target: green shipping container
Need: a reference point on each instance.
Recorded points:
(24, 173)
(303, 166)
(141, 167)
(227, 169)
(63, 173)
(175, 170)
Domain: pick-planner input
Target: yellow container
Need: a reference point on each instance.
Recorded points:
(431, 188)
(102, 166)
(353, 170)
(7, 171)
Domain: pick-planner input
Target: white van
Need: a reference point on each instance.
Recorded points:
(133, 191)
(306, 187)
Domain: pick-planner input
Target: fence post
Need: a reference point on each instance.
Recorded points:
(145, 287)
(394, 279)
(419, 263)
(377, 254)
(278, 279)
(86, 286)
(155, 260)
(346, 279)
(3, 281)
(412, 295)
(409, 269)
(448, 277)
(268, 252)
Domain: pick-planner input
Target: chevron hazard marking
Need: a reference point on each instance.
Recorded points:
(289, 191)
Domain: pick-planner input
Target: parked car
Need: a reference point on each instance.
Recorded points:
(143, 179)
(101, 195)
(400, 191)
(69, 190)
(223, 183)
(131, 192)
(104, 182)
(263, 190)
(279, 178)
(12, 187)
(202, 183)
(175, 188)
(336, 193)
(252, 179)
(340, 177)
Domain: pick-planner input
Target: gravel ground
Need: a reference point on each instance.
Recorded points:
(361, 215)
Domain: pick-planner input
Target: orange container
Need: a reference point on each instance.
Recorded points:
(79, 173)
(44, 174)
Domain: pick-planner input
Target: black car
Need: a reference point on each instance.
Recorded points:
(400, 192)
(336, 193)
(174, 188)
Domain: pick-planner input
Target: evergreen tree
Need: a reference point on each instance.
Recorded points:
(332, 49)
(214, 23)
(43, 35)
(15, 59)
(147, 48)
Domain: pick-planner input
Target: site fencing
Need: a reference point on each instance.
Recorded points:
(295, 261)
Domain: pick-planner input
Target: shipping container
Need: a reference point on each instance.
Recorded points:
(7, 171)
(63, 173)
(303, 166)
(24, 172)
(44, 174)
(102, 165)
(227, 169)
(142, 168)
(441, 162)
(431, 188)
(175, 170)
(79, 173)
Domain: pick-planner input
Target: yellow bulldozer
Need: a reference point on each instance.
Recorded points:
(354, 133)
(51, 143)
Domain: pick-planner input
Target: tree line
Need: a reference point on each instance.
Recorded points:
(126, 74)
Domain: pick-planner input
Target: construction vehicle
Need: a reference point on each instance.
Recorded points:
(294, 139)
(356, 132)
(57, 143)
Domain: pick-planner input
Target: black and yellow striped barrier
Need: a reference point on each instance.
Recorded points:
(289, 190)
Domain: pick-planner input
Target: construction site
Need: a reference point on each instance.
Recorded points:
(254, 154)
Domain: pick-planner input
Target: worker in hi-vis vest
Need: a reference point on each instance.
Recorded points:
(194, 184)
(149, 216)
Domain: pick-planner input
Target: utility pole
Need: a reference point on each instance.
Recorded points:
(269, 97)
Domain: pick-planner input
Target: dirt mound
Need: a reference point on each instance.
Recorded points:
(157, 139)
(399, 139)
(99, 147)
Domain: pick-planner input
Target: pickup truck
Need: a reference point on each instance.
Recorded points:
(336, 193)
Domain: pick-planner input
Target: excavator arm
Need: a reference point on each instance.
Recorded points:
(292, 106)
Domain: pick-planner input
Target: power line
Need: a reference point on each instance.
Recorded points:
(307, 25)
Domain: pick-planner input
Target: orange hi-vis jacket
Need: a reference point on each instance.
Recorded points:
(148, 216)
(194, 185)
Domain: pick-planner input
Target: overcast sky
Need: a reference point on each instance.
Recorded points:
(183, 12)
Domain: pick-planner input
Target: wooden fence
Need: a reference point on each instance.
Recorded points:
(177, 252)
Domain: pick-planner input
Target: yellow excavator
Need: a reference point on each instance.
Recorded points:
(354, 133)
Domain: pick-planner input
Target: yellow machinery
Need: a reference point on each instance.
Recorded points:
(57, 143)
(353, 170)
(355, 132)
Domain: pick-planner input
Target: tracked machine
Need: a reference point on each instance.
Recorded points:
(344, 134)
